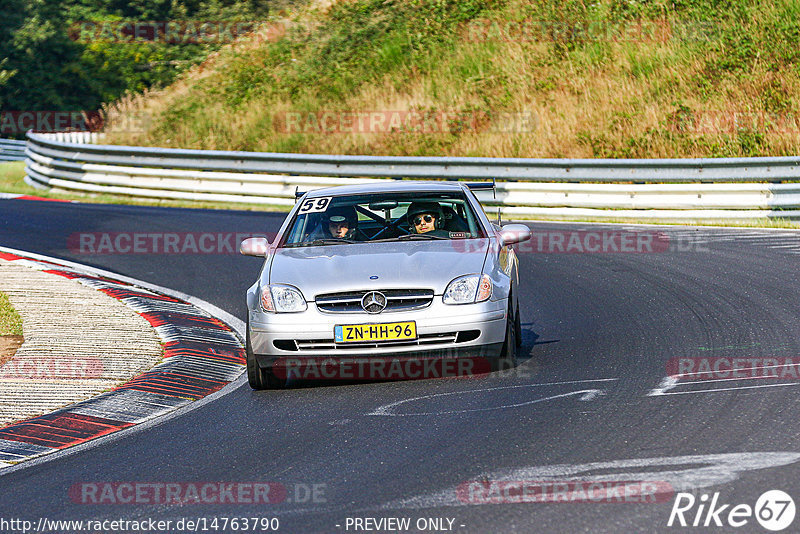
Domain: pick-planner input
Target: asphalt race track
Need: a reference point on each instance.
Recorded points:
(600, 330)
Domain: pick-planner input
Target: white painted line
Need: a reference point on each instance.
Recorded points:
(587, 394)
(667, 383)
(715, 380)
(687, 473)
(651, 394)
(592, 395)
(781, 366)
(673, 381)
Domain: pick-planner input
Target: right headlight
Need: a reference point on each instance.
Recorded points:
(282, 299)
(468, 289)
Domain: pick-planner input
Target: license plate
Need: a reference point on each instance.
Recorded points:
(359, 333)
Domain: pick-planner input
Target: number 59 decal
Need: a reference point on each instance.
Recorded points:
(314, 205)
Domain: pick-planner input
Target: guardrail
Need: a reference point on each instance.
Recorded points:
(699, 188)
(12, 150)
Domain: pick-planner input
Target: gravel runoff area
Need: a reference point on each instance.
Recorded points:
(79, 342)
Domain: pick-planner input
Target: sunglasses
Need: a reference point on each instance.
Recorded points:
(426, 218)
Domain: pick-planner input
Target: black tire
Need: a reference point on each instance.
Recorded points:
(255, 376)
(508, 354)
(518, 327)
(271, 381)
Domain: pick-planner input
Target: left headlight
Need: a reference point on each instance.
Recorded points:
(468, 289)
(282, 299)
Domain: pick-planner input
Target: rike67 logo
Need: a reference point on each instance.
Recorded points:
(774, 510)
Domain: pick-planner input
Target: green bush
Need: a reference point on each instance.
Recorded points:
(58, 71)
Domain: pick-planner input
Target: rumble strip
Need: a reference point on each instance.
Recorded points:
(201, 356)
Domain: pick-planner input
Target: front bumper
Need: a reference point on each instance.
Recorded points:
(442, 330)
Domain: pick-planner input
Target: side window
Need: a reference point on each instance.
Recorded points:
(297, 230)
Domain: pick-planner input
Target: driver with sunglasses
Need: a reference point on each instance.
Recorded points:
(426, 218)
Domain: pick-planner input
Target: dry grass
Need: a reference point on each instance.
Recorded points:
(605, 99)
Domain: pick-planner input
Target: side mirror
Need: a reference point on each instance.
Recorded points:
(514, 233)
(254, 246)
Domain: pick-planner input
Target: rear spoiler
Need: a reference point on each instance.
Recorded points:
(474, 186)
(484, 186)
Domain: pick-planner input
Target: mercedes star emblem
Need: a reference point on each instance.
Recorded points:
(373, 302)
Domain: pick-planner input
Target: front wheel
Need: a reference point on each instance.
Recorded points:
(255, 376)
(508, 355)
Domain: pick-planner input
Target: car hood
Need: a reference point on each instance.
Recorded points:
(390, 265)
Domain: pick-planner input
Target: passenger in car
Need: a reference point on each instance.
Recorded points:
(337, 223)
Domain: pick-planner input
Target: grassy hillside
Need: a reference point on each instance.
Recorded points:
(554, 78)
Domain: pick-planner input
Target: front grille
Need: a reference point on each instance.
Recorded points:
(396, 300)
(422, 340)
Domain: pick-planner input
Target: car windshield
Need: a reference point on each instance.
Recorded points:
(410, 216)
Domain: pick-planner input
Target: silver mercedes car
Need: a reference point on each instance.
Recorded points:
(384, 281)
